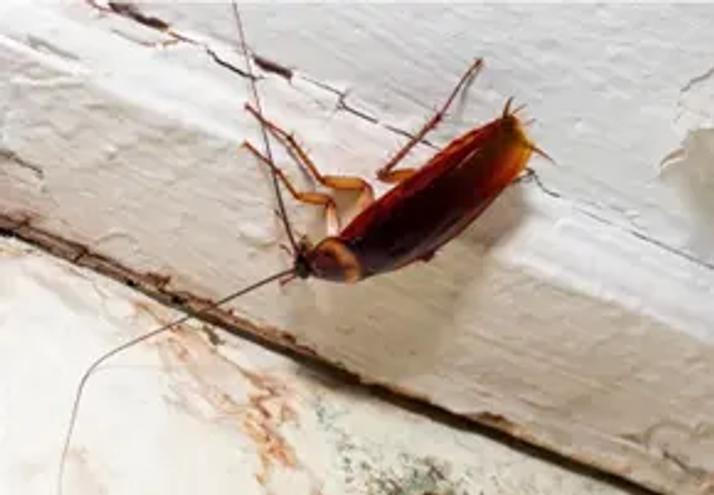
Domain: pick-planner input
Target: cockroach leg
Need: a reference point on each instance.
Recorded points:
(336, 182)
(530, 175)
(527, 175)
(314, 198)
(396, 176)
(385, 173)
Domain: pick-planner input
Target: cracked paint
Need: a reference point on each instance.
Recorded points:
(270, 66)
(12, 157)
(133, 12)
(669, 438)
(690, 172)
(696, 103)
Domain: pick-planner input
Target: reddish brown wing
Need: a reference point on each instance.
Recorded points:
(422, 213)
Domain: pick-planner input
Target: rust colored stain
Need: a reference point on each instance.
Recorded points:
(147, 308)
(266, 410)
(262, 424)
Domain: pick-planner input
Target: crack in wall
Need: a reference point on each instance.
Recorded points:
(227, 65)
(650, 441)
(273, 67)
(579, 205)
(671, 249)
(679, 461)
(40, 45)
(648, 239)
(343, 105)
(694, 105)
(132, 12)
(697, 80)
(12, 157)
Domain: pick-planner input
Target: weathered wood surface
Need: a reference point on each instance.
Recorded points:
(580, 314)
(199, 412)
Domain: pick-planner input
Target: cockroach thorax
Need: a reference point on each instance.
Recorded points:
(331, 260)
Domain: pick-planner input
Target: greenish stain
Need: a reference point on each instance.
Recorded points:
(367, 470)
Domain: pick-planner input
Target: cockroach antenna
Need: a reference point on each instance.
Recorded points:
(264, 133)
(542, 154)
(141, 338)
(507, 108)
(196, 314)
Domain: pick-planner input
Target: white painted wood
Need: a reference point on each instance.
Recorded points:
(584, 319)
(181, 415)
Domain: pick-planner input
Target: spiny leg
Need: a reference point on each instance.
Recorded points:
(314, 198)
(336, 182)
(386, 174)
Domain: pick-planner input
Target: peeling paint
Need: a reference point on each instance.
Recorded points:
(690, 172)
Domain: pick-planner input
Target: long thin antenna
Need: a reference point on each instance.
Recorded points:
(136, 340)
(266, 139)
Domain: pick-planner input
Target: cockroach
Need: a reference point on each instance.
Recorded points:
(426, 208)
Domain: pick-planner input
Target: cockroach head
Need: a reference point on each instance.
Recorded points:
(302, 265)
(330, 259)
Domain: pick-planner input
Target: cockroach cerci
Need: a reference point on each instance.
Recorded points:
(426, 208)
